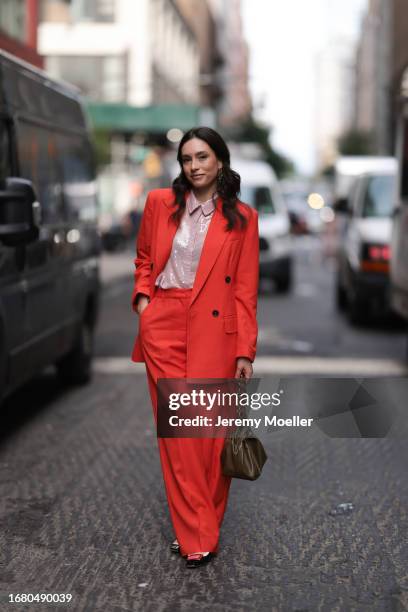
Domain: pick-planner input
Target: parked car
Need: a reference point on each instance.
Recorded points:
(49, 243)
(260, 189)
(347, 169)
(363, 280)
(399, 241)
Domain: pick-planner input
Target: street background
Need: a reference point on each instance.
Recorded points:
(309, 97)
(83, 503)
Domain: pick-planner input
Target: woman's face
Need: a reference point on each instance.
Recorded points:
(200, 164)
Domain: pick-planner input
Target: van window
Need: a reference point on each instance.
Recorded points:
(38, 162)
(5, 169)
(378, 200)
(79, 184)
(259, 198)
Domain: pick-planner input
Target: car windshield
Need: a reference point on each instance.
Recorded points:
(378, 199)
(259, 198)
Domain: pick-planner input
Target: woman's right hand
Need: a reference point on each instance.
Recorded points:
(142, 303)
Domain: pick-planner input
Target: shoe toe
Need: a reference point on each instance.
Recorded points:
(198, 559)
(175, 548)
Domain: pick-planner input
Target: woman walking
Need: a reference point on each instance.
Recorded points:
(196, 288)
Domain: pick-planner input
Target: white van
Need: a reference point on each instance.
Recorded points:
(363, 280)
(350, 167)
(260, 189)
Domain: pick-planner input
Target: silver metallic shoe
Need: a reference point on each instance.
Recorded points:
(175, 547)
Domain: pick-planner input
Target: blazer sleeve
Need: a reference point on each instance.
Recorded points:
(143, 248)
(246, 290)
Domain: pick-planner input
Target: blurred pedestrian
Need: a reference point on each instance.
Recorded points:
(196, 288)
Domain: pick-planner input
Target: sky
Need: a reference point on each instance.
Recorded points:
(284, 37)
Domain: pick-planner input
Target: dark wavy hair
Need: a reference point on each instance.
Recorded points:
(228, 181)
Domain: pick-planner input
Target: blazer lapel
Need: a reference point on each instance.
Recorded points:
(165, 234)
(214, 240)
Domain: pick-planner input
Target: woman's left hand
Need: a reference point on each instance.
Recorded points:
(244, 368)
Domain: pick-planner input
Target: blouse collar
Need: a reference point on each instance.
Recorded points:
(207, 207)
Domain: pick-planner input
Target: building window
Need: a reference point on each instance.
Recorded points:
(56, 11)
(93, 10)
(100, 78)
(12, 18)
(79, 188)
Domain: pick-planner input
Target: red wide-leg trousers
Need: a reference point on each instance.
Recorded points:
(196, 489)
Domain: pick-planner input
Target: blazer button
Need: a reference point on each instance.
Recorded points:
(227, 279)
(151, 266)
(215, 313)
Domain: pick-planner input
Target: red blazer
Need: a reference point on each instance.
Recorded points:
(222, 321)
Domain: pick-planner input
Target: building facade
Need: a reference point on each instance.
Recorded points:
(373, 93)
(141, 53)
(365, 76)
(236, 103)
(202, 20)
(382, 70)
(334, 97)
(399, 56)
(18, 29)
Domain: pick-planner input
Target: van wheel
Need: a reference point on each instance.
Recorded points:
(76, 367)
(283, 282)
(283, 285)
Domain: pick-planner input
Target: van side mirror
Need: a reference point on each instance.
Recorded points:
(19, 212)
(341, 205)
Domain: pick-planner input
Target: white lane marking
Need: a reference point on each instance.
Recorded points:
(281, 365)
(347, 366)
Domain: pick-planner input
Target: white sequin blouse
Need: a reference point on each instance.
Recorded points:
(188, 241)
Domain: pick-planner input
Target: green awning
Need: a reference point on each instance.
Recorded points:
(154, 119)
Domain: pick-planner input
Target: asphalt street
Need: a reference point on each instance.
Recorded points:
(83, 508)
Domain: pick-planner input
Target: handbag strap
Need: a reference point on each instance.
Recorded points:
(241, 431)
